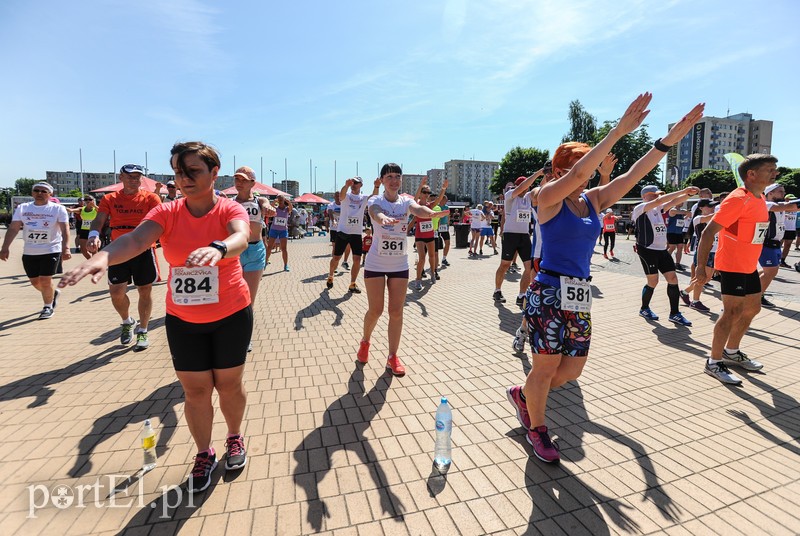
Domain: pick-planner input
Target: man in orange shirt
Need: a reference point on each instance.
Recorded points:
(126, 208)
(742, 223)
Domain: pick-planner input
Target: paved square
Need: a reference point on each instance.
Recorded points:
(649, 443)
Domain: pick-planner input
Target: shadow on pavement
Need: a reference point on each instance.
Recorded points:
(343, 426)
(113, 334)
(37, 386)
(784, 413)
(679, 337)
(555, 487)
(323, 303)
(160, 403)
(19, 321)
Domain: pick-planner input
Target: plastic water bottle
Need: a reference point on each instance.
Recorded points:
(148, 447)
(444, 427)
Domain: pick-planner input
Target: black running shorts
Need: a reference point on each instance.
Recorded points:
(141, 270)
(738, 284)
(655, 260)
(41, 265)
(519, 243)
(343, 239)
(215, 345)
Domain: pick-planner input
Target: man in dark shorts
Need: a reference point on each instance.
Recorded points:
(46, 240)
(742, 223)
(125, 209)
(651, 246)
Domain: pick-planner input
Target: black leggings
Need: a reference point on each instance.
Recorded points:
(606, 237)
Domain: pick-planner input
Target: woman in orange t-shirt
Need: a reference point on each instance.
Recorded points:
(209, 317)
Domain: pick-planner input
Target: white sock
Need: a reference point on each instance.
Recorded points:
(141, 330)
(497, 290)
(731, 350)
(130, 320)
(520, 295)
(50, 305)
(714, 361)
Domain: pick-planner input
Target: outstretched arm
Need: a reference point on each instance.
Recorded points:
(605, 196)
(605, 168)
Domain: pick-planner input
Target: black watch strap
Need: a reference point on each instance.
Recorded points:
(220, 246)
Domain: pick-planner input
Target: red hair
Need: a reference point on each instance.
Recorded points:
(568, 153)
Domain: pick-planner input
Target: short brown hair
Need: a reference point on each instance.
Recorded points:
(206, 153)
(755, 161)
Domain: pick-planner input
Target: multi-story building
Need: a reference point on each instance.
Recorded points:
(411, 182)
(705, 145)
(470, 178)
(290, 187)
(436, 178)
(66, 181)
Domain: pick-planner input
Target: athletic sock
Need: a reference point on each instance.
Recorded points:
(210, 451)
(497, 290)
(674, 294)
(714, 361)
(130, 320)
(647, 294)
(520, 295)
(141, 330)
(731, 350)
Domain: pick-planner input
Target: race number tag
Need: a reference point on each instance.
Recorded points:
(353, 222)
(760, 232)
(392, 246)
(40, 236)
(443, 228)
(280, 222)
(253, 211)
(660, 231)
(609, 227)
(194, 286)
(576, 295)
(523, 216)
(425, 226)
(86, 225)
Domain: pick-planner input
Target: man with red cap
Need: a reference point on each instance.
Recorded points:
(516, 234)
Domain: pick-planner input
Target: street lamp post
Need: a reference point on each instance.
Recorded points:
(273, 177)
(315, 180)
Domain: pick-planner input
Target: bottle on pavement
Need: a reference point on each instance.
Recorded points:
(444, 428)
(148, 447)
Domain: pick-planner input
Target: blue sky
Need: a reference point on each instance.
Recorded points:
(413, 82)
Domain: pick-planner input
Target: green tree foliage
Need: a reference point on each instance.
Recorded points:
(716, 180)
(628, 150)
(517, 162)
(24, 185)
(791, 181)
(583, 125)
(74, 193)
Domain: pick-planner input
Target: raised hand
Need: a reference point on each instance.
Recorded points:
(682, 127)
(635, 114)
(606, 167)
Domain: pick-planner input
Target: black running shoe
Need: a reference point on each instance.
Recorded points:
(200, 478)
(236, 455)
(498, 297)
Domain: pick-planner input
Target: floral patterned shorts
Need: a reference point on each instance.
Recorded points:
(551, 330)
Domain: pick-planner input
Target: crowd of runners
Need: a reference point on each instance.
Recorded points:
(217, 250)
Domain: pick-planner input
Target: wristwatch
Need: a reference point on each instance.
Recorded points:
(220, 246)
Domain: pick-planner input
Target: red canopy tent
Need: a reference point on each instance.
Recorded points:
(262, 189)
(311, 199)
(147, 184)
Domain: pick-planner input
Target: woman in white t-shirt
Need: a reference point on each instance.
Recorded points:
(476, 219)
(387, 263)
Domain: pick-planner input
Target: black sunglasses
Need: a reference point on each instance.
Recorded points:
(41, 191)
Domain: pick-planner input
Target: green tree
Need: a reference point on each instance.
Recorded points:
(74, 193)
(716, 180)
(583, 125)
(791, 182)
(24, 185)
(628, 150)
(518, 162)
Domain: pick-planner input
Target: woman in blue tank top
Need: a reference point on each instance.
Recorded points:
(560, 298)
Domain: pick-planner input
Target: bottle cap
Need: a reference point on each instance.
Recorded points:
(444, 400)
(147, 422)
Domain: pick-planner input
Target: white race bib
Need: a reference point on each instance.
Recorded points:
(253, 210)
(39, 236)
(426, 226)
(609, 227)
(760, 232)
(576, 295)
(392, 246)
(523, 216)
(443, 228)
(194, 286)
(660, 231)
(280, 222)
(86, 225)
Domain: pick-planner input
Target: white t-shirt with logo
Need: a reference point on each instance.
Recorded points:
(517, 213)
(40, 229)
(335, 209)
(475, 221)
(352, 215)
(389, 251)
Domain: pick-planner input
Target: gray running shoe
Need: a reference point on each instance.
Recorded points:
(417, 285)
(126, 336)
(740, 359)
(721, 372)
(519, 340)
(46, 313)
(141, 342)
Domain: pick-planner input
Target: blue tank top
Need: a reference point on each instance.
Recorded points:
(568, 243)
(675, 224)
